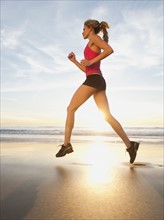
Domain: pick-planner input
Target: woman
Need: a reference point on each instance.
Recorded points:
(96, 50)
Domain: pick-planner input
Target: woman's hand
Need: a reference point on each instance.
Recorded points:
(71, 57)
(85, 62)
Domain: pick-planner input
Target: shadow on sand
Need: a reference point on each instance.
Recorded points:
(18, 203)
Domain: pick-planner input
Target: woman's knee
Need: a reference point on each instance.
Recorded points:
(71, 109)
(108, 117)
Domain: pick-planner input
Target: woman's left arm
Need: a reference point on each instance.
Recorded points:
(107, 50)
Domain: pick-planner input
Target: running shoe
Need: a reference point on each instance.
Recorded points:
(65, 150)
(133, 151)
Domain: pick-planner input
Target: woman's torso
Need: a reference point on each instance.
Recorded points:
(90, 54)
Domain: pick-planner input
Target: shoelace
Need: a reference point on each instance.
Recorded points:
(59, 145)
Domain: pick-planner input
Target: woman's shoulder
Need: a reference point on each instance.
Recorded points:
(96, 40)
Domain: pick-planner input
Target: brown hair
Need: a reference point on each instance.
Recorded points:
(98, 26)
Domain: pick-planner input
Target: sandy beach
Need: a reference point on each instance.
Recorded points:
(81, 186)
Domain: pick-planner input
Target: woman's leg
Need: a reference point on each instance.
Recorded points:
(102, 103)
(80, 96)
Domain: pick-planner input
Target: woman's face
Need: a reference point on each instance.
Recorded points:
(86, 32)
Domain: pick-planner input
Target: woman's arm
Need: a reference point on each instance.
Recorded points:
(102, 45)
(72, 58)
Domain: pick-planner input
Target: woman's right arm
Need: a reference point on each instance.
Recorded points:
(72, 58)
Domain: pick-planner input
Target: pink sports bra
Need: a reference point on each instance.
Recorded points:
(89, 54)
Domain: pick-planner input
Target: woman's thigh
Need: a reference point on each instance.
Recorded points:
(80, 96)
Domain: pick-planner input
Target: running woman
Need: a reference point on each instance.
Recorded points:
(96, 50)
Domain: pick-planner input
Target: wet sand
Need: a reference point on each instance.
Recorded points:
(81, 186)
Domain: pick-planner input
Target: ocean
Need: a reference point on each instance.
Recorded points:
(148, 135)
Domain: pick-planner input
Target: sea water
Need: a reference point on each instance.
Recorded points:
(148, 135)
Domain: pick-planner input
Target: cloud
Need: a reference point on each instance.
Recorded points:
(30, 58)
(99, 12)
(137, 39)
(10, 38)
(135, 88)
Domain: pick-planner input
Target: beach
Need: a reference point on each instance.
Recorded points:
(94, 182)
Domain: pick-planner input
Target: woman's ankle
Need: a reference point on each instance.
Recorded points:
(66, 143)
(128, 144)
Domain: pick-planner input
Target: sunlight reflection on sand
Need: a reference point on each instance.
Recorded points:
(90, 183)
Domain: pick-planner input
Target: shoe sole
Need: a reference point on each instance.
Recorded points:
(136, 147)
(69, 151)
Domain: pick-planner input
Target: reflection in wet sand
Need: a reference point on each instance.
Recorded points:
(92, 183)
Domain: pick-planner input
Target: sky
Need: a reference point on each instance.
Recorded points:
(38, 80)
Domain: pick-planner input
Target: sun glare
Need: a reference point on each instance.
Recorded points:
(96, 121)
(102, 160)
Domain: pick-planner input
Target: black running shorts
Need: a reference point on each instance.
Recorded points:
(95, 80)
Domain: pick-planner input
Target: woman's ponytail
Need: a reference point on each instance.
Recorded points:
(103, 27)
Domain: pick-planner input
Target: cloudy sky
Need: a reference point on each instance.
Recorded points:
(38, 81)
